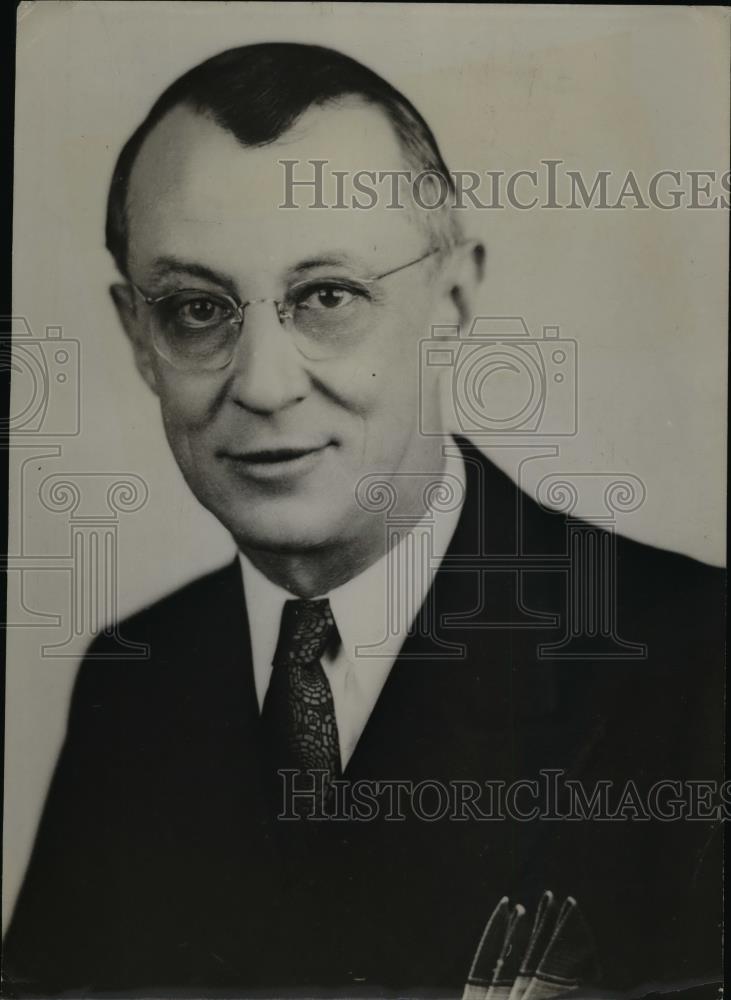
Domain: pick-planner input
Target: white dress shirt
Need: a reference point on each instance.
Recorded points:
(373, 613)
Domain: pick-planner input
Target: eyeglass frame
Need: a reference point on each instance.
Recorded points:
(237, 319)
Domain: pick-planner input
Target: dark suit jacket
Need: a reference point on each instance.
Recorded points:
(160, 868)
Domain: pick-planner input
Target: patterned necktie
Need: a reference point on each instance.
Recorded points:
(298, 713)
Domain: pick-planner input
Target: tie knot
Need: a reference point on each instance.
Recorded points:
(306, 630)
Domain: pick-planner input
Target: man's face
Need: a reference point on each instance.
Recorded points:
(274, 444)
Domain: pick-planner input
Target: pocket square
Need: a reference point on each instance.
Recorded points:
(554, 956)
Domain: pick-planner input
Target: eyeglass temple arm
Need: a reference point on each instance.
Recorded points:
(411, 263)
(150, 300)
(429, 253)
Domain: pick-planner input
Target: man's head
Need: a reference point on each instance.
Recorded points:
(273, 429)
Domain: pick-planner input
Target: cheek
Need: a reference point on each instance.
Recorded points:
(394, 377)
(186, 409)
(390, 402)
(384, 394)
(188, 401)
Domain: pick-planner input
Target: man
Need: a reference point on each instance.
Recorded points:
(198, 835)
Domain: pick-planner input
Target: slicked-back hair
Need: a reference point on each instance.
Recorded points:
(258, 92)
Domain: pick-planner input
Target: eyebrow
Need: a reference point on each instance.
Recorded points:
(163, 267)
(336, 259)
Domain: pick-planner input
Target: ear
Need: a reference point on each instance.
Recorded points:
(125, 303)
(459, 284)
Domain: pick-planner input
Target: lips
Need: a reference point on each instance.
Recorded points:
(283, 465)
(273, 456)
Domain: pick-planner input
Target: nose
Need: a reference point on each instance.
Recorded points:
(268, 373)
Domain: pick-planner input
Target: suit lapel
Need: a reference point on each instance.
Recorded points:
(448, 699)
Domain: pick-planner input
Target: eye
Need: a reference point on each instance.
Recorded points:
(200, 311)
(326, 297)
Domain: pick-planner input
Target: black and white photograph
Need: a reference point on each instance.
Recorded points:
(366, 448)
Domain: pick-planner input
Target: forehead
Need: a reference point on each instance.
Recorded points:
(195, 188)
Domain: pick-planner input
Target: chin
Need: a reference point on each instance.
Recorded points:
(277, 530)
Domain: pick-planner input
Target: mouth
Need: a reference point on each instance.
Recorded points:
(275, 463)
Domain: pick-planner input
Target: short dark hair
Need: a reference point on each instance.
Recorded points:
(257, 92)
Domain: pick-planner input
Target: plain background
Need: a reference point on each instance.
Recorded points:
(642, 292)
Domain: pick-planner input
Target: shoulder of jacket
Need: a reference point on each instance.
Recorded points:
(142, 642)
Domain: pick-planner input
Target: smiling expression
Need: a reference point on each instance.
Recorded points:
(275, 441)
